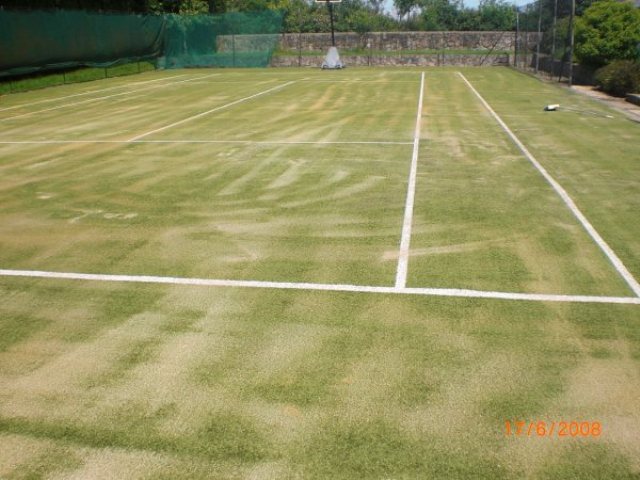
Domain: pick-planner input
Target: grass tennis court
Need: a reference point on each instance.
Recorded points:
(309, 274)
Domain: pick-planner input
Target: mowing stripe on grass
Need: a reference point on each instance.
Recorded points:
(82, 102)
(194, 117)
(405, 239)
(209, 282)
(241, 142)
(611, 255)
(100, 90)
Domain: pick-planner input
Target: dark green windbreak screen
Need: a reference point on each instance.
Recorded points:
(47, 40)
(34, 41)
(235, 39)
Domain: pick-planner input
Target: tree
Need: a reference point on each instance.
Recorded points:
(609, 30)
(439, 15)
(194, 7)
(496, 15)
(405, 7)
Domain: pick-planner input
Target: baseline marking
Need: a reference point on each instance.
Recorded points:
(611, 255)
(405, 240)
(435, 292)
(227, 105)
(82, 102)
(99, 90)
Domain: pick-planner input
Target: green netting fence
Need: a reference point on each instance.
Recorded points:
(233, 39)
(40, 41)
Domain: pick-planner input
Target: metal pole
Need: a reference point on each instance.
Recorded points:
(515, 54)
(571, 32)
(333, 37)
(233, 48)
(526, 46)
(539, 39)
(553, 35)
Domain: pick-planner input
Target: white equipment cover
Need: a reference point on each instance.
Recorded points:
(332, 60)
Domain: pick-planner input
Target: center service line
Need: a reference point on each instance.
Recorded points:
(193, 117)
(611, 255)
(405, 241)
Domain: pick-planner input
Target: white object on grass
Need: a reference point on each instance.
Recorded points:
(332, 60)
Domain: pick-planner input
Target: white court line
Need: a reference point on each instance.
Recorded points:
(242, 142)
(611, 255)
(99, 90)
(82, 102)
(193, 117)
(433, 292)
(405, 241)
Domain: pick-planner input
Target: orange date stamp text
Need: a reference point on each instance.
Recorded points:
(548, 429)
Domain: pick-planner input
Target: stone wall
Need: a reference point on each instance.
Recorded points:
(380, 41)
(449, 48)
(431, 60)
(397, 41)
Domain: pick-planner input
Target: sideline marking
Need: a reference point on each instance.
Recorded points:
(98, 90)
(82, 102)
(242, 142)
(207, 282)
(611, 255)
(193, 117)
(405, 241)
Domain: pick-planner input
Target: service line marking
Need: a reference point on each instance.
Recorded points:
(405, 239)
(82, 102)
(99, 90)
(209, 282)
(202, 114)
(611, 255)
(241, 142)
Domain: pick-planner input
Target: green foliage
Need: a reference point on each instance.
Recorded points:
(405, 7)
(194, 7)
(609, 30)
(362, 21)
(495, 15)
(304, 16)
(438, 14)
(619, 77)
(451, 15)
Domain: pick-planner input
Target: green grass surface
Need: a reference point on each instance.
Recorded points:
(112, 380)
(87, 74)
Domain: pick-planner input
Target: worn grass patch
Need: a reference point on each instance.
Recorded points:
(114, 380)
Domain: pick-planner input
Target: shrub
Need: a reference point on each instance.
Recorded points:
(609, 30)
(619, 77)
